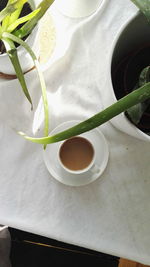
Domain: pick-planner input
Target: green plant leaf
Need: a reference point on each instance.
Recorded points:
(7, 11)
(144, 76)
(42, 82)
(12, 53)
(0, 31)
(144, 6)
(137, 96)
(5, 22)
(18, 3)
(136, 112)
(15, 15)
(11, 7)
(21, 20)
(28, 26)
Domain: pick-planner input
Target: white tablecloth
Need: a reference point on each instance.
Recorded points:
(110, 215)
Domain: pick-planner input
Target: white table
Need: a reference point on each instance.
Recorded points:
(112, 214)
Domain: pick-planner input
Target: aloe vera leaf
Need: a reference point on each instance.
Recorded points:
(100, 118)
(12, 53)
(135, 113)
(21, 20)
(40, 74)
(28, 26)
(144, 6)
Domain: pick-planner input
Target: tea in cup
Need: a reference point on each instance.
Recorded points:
(77, 155)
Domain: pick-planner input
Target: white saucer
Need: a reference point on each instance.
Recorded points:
(101, 151)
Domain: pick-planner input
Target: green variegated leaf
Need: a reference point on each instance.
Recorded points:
(11, 7)
(144, 76)
(7, 11)
(144, 6)
(5, 22)
(14, 16)
(28, 27)
(21, 20)
(136, 112)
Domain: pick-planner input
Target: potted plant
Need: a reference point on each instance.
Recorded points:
(137, 100)
(129, 70)
(18, 21)
(26, 11)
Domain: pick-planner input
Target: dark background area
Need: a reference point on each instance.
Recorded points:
(29, 250)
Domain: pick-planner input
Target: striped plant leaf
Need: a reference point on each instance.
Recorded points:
(41, 78)
(28, 26)
(12, 53)
(135, 97)
(21, 20)
(144, 6)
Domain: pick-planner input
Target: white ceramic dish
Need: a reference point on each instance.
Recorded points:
(101, 157)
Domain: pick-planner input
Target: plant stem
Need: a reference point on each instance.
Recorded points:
(107, 114)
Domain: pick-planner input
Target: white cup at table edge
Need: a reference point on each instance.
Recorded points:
(77, 8)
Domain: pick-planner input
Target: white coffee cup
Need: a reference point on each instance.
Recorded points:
(91, 167)
(92, 171)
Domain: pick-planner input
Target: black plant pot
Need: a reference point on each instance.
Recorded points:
(130, 56)
(125, 77)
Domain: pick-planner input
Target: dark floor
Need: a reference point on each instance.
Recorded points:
(29, 250)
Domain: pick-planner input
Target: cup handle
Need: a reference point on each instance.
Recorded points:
(95, 169)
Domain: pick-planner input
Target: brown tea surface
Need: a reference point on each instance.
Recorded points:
(76, 153)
